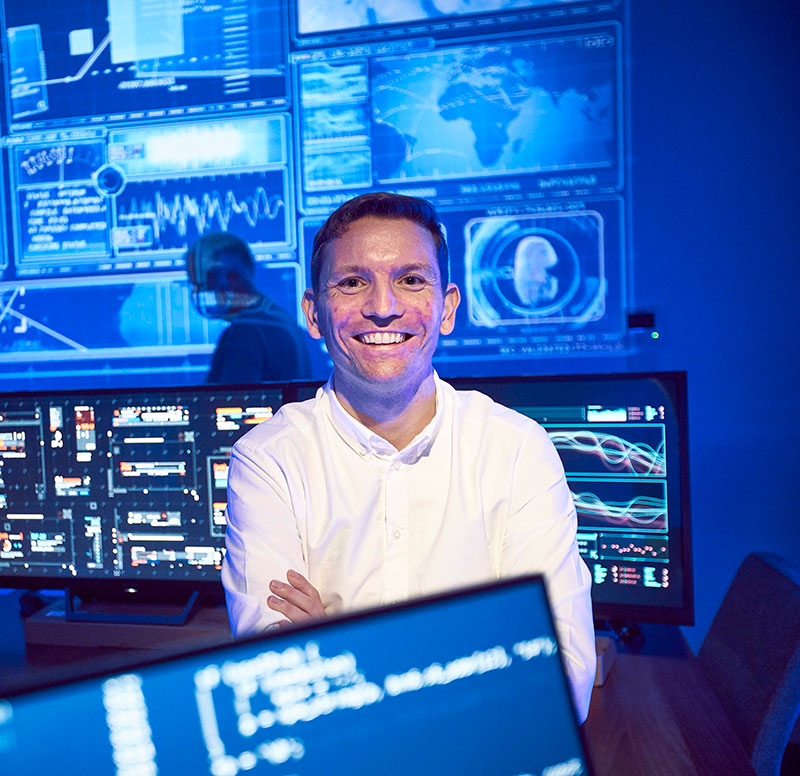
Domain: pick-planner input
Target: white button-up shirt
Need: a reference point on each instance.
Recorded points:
(477, 495)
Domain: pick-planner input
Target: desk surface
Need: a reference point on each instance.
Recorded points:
(657, 715)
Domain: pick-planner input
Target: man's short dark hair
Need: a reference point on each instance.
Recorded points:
(383, 205)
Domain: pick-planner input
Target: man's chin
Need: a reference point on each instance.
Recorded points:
(387, 378)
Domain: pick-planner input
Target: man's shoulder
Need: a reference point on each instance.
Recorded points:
(293, 423)
(490, 431)
(493, 429)
(478, 408)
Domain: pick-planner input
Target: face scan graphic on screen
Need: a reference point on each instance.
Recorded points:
(533, 260)
(527, 270)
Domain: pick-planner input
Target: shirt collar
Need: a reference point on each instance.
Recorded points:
(367, 443)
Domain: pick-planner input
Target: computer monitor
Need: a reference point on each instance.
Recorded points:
(108, 491)
(464, 683)
(111, 491)
(623, 440)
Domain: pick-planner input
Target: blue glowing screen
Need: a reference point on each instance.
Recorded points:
(471, 684)
(131, 129)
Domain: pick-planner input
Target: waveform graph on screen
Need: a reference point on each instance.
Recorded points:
(177, 182)
(616, 470)
(171, 215)
(629, 504)
(637, 450)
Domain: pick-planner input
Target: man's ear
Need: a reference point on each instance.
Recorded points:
(452, 298)
(309, 305)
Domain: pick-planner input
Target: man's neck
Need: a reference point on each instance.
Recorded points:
(396, 416)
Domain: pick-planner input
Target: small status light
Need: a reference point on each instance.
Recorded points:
(654, 334)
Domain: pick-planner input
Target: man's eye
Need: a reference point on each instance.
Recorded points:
(413, 280)
(349, 284)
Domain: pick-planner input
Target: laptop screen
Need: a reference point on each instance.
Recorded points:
(464, 683)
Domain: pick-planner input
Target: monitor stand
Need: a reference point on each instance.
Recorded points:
(52, 638)
(81, 608)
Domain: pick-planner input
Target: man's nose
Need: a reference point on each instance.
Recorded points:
(382, 303)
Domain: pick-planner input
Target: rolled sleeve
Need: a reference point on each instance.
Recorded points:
(261, 538)
(540, 537)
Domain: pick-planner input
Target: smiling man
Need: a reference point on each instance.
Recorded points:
(389, 483)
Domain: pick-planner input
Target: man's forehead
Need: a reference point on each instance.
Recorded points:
(373, 238)
(371, 223)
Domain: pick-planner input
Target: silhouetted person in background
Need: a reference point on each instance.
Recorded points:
(262, 342)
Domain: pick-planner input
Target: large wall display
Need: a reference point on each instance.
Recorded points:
(131, 128)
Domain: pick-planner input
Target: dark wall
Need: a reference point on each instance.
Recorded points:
(715, 101)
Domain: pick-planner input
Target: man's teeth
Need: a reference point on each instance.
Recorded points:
(382, 337)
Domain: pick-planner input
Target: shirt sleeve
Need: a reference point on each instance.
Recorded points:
(262, 541)
(540, 537)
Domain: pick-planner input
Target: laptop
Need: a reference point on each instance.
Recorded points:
(468, 682)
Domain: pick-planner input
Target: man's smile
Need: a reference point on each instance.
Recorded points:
(383, 337)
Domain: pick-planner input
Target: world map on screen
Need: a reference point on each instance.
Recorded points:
(492, 109)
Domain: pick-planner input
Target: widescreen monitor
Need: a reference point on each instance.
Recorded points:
(469, 683)
(105, 491)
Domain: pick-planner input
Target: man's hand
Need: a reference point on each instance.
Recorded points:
(298, 601)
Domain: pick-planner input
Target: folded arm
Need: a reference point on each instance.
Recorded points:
(263, 547)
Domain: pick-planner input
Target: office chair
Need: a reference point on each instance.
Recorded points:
(751, 656)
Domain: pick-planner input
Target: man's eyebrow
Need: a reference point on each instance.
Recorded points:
(416, 266)
(358, 269)
(349, 269)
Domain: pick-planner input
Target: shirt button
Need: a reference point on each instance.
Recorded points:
(397, 466)
(398, 534)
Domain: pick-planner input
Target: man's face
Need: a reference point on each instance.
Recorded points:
(380, 306)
